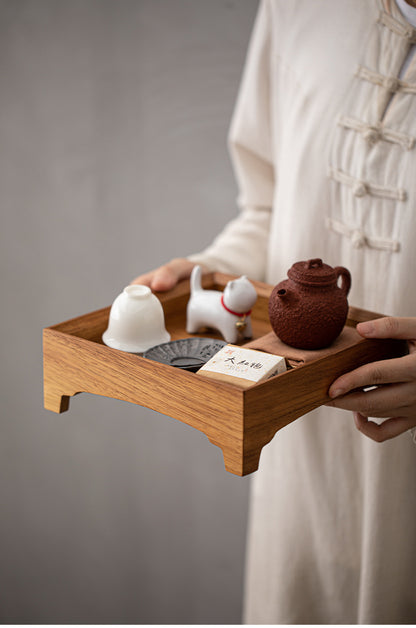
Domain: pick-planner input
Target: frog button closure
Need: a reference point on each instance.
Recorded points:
(360, 189)
(391, 83)
(372, 135)
(358, 239)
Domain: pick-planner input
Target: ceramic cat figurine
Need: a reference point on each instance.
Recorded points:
(228, 311)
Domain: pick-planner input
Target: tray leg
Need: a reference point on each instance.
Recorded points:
(235, 460)
(56, 390)
(252, 461)
(59, 375)
(55, 401)
(58, 404)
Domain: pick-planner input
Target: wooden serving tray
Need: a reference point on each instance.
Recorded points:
(239, 421)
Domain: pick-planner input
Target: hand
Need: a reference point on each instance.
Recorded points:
(167, 276)
(395, 381)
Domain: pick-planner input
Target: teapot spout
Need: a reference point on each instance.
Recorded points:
(282, 293)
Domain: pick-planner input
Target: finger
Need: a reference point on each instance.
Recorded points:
(164, 278)
(375, 373)
(389, 327)
(383, 402)
(384, 431)
(143, 280)
(167, 276)
(159, 280)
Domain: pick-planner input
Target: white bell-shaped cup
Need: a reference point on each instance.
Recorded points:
(136, 321)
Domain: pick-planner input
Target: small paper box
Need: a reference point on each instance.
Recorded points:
(243, 367)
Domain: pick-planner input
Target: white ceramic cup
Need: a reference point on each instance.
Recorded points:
(136, 321)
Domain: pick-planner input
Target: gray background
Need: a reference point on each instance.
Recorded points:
(113, 159)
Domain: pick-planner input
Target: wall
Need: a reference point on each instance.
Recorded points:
(113, 123)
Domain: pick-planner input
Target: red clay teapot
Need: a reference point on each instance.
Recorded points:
(309, 309)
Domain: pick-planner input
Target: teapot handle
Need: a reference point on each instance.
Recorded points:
(345, 275)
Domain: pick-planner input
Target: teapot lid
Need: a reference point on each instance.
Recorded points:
(313, 272)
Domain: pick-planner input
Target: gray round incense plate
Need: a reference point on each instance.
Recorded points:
(188, 353)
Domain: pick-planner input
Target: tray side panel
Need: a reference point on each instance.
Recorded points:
(271, 405)
(73, 365)
(89, 326)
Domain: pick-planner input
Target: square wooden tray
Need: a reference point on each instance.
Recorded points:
(239, 421)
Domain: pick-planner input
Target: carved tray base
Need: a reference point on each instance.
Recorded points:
(239, 421)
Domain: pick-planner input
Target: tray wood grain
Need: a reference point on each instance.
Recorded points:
(239, 421)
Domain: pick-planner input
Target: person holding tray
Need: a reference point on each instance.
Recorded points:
(323, 142)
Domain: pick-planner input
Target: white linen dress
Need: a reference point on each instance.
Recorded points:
(323, 144)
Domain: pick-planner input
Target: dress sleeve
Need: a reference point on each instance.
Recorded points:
(241, 247)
